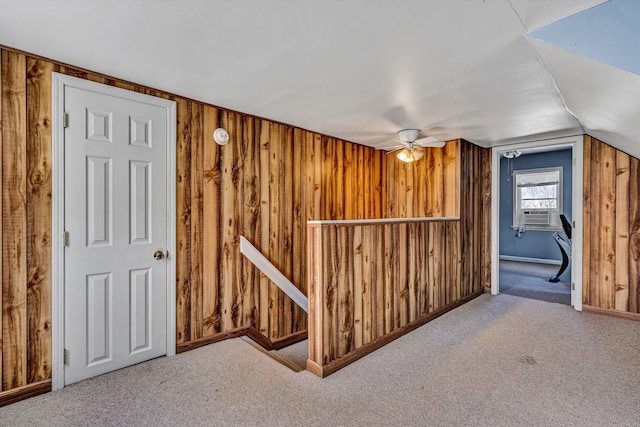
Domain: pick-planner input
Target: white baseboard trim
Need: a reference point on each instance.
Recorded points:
(526, 259)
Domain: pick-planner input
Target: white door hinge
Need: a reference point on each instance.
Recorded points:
(65, 119)
(574, 224)
(65, 356)
(65, 238)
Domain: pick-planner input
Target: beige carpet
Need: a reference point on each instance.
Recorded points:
(496, 361)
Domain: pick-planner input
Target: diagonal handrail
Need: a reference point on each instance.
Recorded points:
(279, 279)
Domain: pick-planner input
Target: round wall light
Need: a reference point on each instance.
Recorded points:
(221, 136)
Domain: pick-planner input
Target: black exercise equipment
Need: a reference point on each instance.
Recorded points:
(565, 247)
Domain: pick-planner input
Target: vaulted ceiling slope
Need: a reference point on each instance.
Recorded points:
(355, 69)
(593, 58)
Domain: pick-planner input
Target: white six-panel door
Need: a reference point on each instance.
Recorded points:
(115, 214)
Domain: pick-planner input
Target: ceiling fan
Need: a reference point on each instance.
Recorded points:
(411, 145)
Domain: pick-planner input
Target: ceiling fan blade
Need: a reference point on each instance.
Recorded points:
(430, 141)
(397, 145)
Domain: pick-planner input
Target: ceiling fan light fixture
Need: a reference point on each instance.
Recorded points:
(417, 153)
(406, 155)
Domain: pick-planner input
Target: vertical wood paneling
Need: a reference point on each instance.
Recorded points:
(586, 221)
(392, 195)
(197, 220)
(595, 272)
(251, 220)
(428, 187)
(285, 306)
(326, 193)
(359, 294)
(14, 221)
(275, 223)
(400, 180)
(211, 225)
(265, 231)
(402, 285)
(360, 180)
(378, 291)
(486, 220)
(409, 193)
(318, 201)
(420, 194)
(611, 248)
(2, 143)
(336, 202)
(422, 257)
(344, 290)
(430, 273)
(621, 265)
(38, 220)
(451, 180)
(367, 276)
(183, 223)
(350, 196)
(374, 202)
(316, 294)
(231, 187)
(412, 285)
(476, 206)
(399, 274)
(465, 218)
(389, 277)
(437, 192)
(330, 285)
(342, 260)
(634, 236)
(607, 216)
(298, 232)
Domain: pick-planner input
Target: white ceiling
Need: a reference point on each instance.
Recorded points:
(355, 69)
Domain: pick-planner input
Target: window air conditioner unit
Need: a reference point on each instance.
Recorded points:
(535, 217)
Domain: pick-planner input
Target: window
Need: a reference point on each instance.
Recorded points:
(537, 197)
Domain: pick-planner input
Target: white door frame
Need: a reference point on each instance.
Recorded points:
(576, 143)
(60, 81)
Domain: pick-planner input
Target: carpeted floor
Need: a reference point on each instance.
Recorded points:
(531, 280)
(495, 361)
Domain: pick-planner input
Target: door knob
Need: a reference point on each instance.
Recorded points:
(159, 254)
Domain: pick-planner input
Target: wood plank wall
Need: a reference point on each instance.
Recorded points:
(378, 281)
(26, 219)
(475, 215)
(453, 181)
(611, 251)
(427, 188)
(266, 184)
(371, 283)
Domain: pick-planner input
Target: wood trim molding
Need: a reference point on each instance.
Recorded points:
(193, 344)
(336, 222)
(21, 393)
(608, 312)
(330, 368)
(250, 332)
(289, 339)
